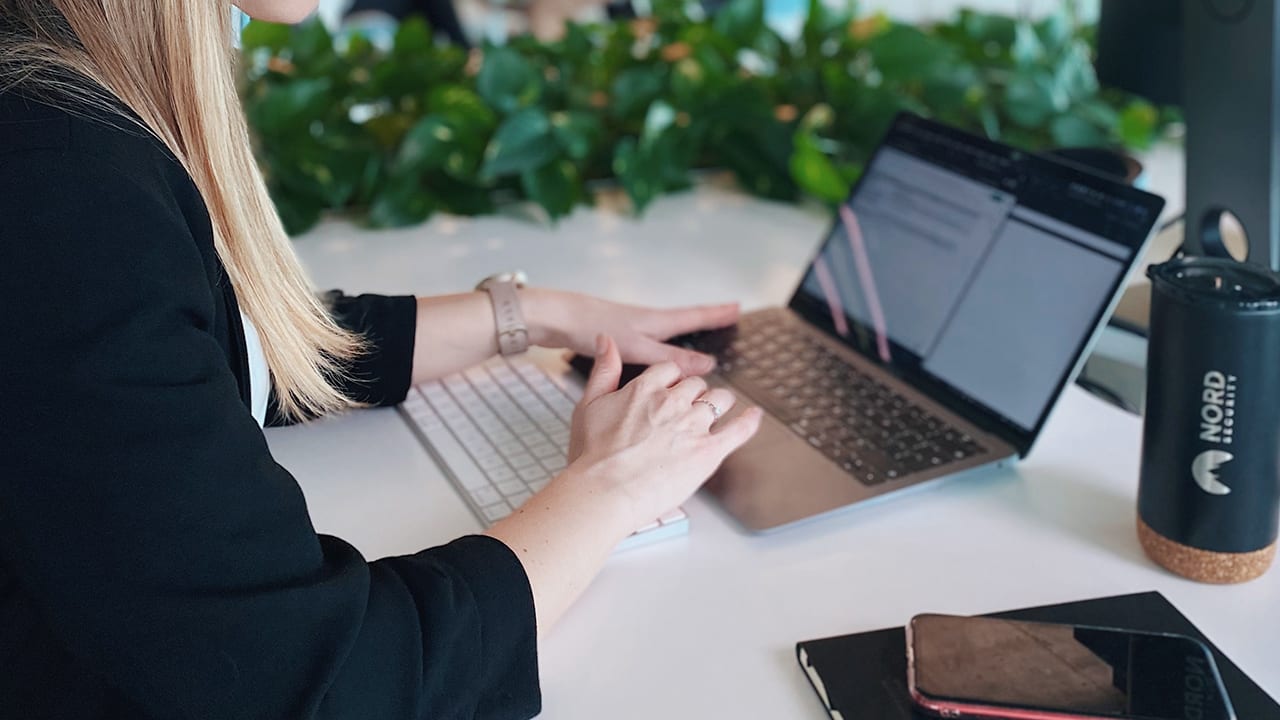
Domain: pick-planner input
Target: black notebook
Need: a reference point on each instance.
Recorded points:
(864, 676)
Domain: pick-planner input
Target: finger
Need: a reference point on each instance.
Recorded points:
(714, 404)
(659, 377)
(688, 390)
(606, 372)
(735, 432)
(652, 352)
(686, 320)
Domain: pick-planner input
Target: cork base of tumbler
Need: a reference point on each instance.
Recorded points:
(1204, 566)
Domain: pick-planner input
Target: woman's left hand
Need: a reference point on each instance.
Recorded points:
(570, 320)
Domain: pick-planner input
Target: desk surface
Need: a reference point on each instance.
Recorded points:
(704, 625)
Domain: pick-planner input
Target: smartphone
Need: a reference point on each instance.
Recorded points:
(980, 667)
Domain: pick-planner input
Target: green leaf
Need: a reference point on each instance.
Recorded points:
(820, 21)
(904, 51)
(413, 37)
(465, 108)
(1054, 31)
(639, 174)
(987, 28)
(576, 44)
(1097, 112)
(1074, 76)
(1028, 100)
(523, 142)
(507, 81)
(298, 214)
(742, 21)
(576, 132)
(459, 196)
(814, 172)
(402, 201)
(312, 44)
(555, 186)
(1075, 131)
(1137, 125)
(656, 121)
(389, 129)
(427, 145)
(1027, 49)
(290, 106)
(265, 35)
(635, 88)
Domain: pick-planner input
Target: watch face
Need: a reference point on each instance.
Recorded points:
(515, 277)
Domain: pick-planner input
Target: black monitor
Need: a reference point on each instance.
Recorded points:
(1220, 60)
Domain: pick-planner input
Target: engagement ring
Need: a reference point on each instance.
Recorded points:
(715, 411)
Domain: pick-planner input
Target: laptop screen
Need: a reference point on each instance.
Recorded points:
(976, 271)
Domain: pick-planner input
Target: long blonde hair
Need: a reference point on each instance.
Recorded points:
(171, 62)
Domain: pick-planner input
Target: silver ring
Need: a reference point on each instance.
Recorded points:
(715, 411)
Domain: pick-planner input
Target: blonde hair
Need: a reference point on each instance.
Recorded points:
(171, 63)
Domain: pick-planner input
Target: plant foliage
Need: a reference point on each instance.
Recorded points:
(395, 134)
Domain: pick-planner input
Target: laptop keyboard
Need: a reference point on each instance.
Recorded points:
(501, 431)
(860, 423)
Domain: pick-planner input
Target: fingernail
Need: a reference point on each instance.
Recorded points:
(601, 344)
(708, 362)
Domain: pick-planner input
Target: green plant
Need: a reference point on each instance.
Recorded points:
(395, 135)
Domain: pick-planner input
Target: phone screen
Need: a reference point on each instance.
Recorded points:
(987, 663)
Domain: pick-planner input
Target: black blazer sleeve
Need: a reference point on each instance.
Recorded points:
(380, 376)
(143, 517)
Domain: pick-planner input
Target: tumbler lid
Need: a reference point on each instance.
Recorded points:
(1218, 281)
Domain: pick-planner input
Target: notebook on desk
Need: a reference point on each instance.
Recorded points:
(863, 676)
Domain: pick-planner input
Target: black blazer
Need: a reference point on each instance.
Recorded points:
(155, 562)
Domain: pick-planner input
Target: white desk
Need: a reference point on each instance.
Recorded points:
(704, 626)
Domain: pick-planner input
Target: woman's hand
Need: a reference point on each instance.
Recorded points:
(635, 454)
(570, 320)
(652, 441)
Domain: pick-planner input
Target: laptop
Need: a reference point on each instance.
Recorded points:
(955, 296)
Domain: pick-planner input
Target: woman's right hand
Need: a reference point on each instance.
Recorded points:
(650, 442)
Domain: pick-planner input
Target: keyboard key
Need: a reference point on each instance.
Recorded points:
(521, 460)
(518, 499)
(486, 495)
(499, 474)
(533, 473)
(511, 487)
(490, 461)
(544, 450)
(494, 513)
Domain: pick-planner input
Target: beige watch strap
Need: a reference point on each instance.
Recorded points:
(513, 334)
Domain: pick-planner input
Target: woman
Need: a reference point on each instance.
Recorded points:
(154, 560)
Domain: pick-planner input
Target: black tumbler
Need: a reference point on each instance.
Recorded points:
(1209, 492)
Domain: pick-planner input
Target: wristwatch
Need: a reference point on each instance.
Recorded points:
(513, 334)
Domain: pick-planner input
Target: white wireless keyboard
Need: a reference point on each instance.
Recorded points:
(500, 431)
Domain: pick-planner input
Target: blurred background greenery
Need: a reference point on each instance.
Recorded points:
(394, 132)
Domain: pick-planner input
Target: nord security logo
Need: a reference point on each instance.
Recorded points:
(1217, 413)
(1217, 426)
(1205, 471)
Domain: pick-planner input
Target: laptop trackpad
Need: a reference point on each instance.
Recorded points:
(778, 478)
